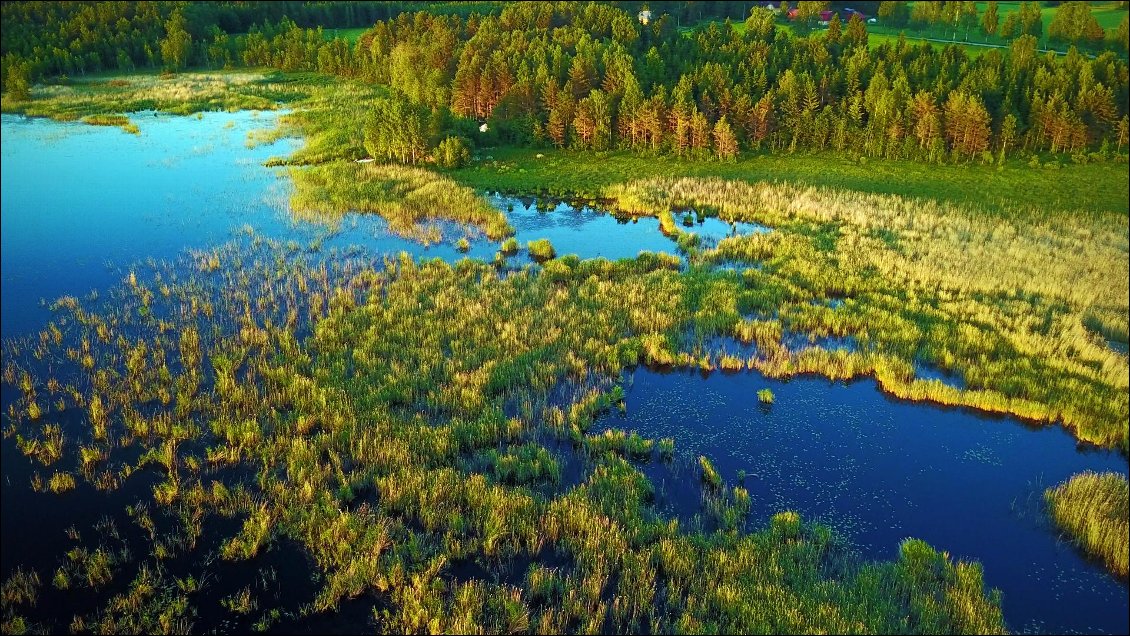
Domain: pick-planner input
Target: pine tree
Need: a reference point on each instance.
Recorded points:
(559, 118)
(699, 132)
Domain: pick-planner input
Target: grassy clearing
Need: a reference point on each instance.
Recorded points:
(1085, 189)
(975, 42)
(349, 35)
(1092, 509)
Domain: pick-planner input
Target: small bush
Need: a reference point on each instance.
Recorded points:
(541, 249)
(452, 152)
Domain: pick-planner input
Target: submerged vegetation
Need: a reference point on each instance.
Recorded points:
(1092, 510)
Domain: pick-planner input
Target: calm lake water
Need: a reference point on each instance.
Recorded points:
(880, 470)
(81, 203)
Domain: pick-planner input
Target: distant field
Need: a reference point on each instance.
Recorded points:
(1109, 15)
(349, 35)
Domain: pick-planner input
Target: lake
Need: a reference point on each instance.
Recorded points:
(82, 203)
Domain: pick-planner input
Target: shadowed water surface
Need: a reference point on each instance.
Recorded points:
(880, 470)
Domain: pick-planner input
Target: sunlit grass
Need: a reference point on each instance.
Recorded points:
(1092, 509)
(408, 433)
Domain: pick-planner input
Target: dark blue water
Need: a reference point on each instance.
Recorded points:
(81, 203)
(880, 470)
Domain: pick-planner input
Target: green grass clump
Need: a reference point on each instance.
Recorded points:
(631, 445)
(709, 474)
(20, 588)
(541, 249)
(405, 196)
(1092, 509)
(61, 483)
(765, 396)
(121, 121)
(527, 464)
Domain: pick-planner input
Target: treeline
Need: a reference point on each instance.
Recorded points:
(1073, 22)
(48, 39)
(591, 76)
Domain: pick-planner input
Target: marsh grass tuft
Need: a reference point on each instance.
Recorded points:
(1092, 509)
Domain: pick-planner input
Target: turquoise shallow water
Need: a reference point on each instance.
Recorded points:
(81, 203)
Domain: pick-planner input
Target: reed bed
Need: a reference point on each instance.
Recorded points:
(1092, 510)
(403, 195)
(104, 101)
(1020, 305)
(375, 408)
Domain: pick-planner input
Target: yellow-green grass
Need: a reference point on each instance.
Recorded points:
(405, 196)
(120, 121)
(402, 392)
(1092, 510)
(102, 98)
(1018, 305)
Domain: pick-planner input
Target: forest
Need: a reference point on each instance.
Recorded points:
(592, 76)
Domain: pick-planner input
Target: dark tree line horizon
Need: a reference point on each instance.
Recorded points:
(591, 76)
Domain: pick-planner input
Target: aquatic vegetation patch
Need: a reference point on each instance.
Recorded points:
(389, 417)
(1092, 510)
(103, 101)
(541, 249)
(121, 121)
(1014, 305)
(405, 196)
